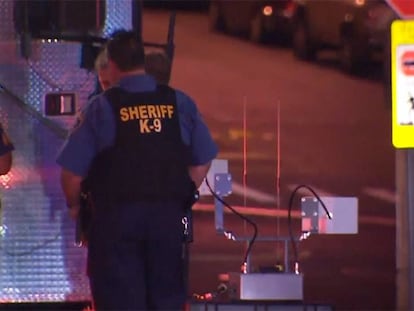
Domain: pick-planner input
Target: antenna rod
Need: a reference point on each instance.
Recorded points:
(278, 155)
(244, 152)
(246, 265)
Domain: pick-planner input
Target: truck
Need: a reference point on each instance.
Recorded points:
(46, 75)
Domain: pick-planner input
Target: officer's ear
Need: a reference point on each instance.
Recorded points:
(114, 73)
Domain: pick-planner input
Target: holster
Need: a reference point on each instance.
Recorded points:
(84, 217)
(187, 219)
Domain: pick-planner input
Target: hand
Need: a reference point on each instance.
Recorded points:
(74, 211)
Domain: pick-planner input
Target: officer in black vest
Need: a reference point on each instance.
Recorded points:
(144, 150)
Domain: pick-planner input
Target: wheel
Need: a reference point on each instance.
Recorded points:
(301, 43)
(256, 32)
(215, 19)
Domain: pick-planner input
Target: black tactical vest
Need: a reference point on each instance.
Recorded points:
(148, 161)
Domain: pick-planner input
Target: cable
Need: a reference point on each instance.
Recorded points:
(292, 238)
(221, 289)
(252, 223)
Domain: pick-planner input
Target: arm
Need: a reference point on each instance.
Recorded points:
(6, 148)
(197, 136)
(199, 172)
(5, 163)
(71, 186)
(86, 139)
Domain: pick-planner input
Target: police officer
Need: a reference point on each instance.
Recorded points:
(6, 148)
(144, 149)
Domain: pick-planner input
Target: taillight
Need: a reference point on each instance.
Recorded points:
(267, 10)
(359, 2)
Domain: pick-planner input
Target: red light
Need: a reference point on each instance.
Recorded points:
(407, 63)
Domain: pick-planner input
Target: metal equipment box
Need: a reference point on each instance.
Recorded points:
(266, 286)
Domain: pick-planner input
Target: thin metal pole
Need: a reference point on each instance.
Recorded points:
(246, 267)
(404, 228)
(410, 212)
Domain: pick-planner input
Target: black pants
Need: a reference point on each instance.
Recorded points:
(135, 257)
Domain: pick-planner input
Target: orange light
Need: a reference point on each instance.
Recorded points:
(5, 180)
(359, 2)
(267, 10)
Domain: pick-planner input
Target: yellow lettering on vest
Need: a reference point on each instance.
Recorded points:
(163, 111)
(152, 114)
(157, 108)
(124, 114)
(157, 125)
(143, 126)
(133, 112)
(170, 109)
(143, 113)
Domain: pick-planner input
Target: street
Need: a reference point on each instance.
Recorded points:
(282, 123)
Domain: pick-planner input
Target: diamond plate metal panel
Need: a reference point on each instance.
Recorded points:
(118, 15)
(56, 69)
(38, 259)
(6, 20)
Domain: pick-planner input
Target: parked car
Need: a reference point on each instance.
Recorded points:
(259, 20)
(357, 29)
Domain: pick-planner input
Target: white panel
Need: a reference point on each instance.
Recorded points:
(217, 166)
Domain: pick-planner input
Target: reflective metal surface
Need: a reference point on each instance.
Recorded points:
(38, 259)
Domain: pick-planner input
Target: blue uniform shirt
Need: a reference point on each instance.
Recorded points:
(95, 129)
(5, 144)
